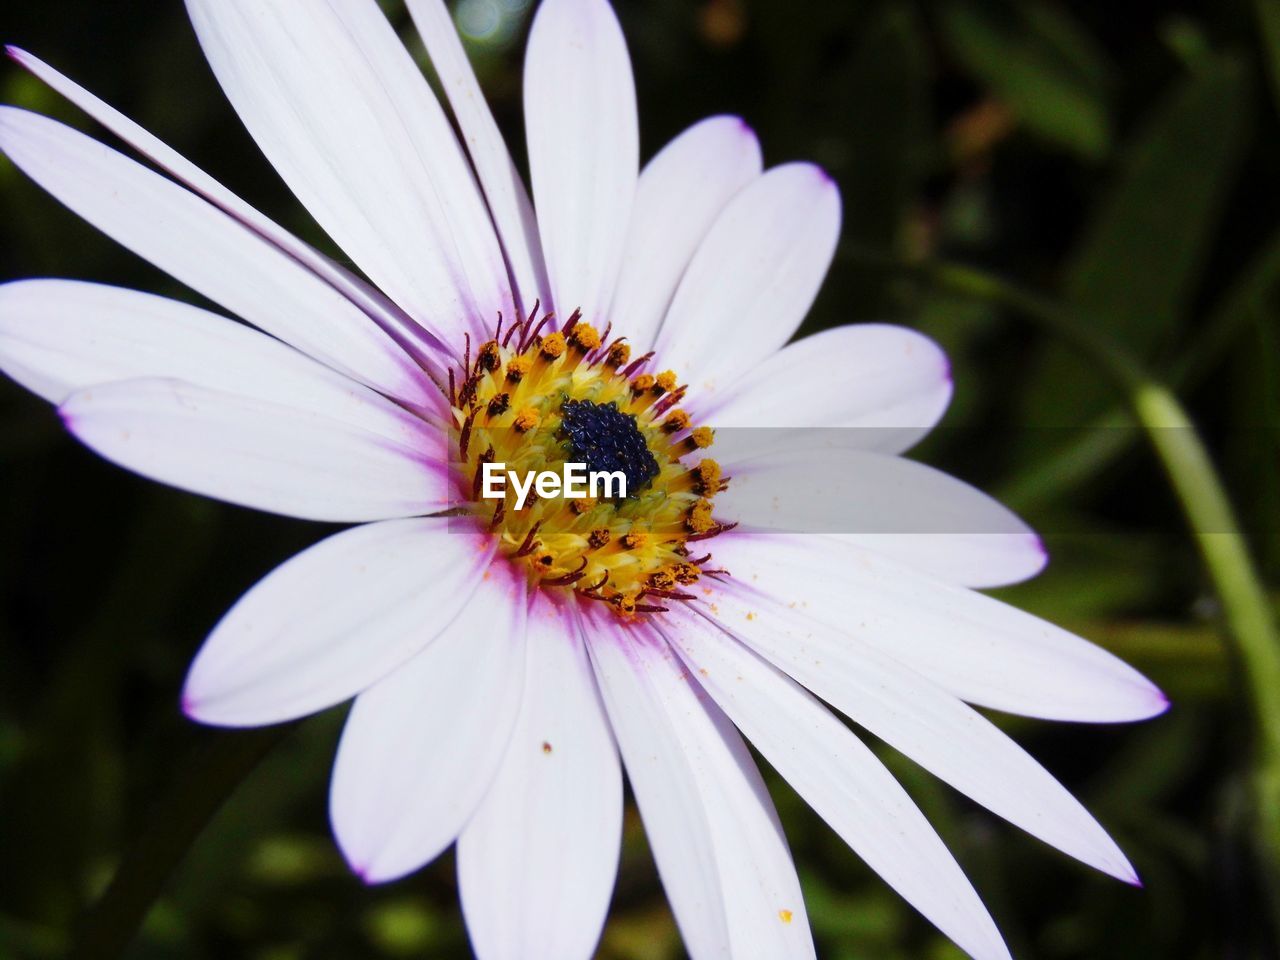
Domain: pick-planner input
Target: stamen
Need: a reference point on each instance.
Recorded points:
(575, 395)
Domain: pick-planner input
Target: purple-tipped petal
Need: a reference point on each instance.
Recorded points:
(983, 651)
(891, 388)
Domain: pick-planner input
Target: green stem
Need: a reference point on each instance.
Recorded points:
(1204, 503)
(200, 787)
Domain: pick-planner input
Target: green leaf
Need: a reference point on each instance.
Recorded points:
(1036, 60)
(1141, 260)
(888, 123)
(1268, 12)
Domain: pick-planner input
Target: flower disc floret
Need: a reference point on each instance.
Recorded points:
(534, 402)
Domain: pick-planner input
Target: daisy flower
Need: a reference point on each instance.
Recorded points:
(507, 664)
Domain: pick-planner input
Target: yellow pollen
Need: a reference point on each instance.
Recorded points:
(699, 520)
(676, 421)
(490, 356)
(511, 405)
(785, 916)
(584, 337)
(708, 477)
(526, 420)
(517, 367)
(686, 573)
(702, 437)
(552, 347)
(662, 580)
(499, 404)
(619, 354)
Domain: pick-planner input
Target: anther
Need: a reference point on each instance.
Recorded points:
(553, 346)
(598, 538)
(517, 367)
(584, 338)
(678, 420)
(499, 404)
(699, 439)
(707, 477)
(526, 420)
(619, 353)
(699, 518)
(490, 357)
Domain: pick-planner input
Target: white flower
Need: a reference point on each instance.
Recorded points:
(501, 660)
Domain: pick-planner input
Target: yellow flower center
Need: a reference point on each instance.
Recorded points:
(534, 403)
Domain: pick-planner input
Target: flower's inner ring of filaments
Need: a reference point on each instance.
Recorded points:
(535, 402)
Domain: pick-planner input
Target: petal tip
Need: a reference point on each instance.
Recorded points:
(1162, 701)
(16, 54)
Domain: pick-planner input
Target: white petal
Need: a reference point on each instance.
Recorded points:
(885, 386)
(421, 747)
(949, 739)
(810, 481)
(720, 850)
(503, 186)
(537, 862)
(369, 300)
(840, 778)
(61, 336)
(344, 115)
(977, 560)
(982, 650)
(332, 621)
(754, 277)
(681, 192)
(283, 459)
(584, 151)
(209, 251)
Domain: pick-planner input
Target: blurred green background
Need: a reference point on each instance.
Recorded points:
(1121, 158)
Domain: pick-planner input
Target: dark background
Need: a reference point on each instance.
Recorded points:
(1121, 157)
